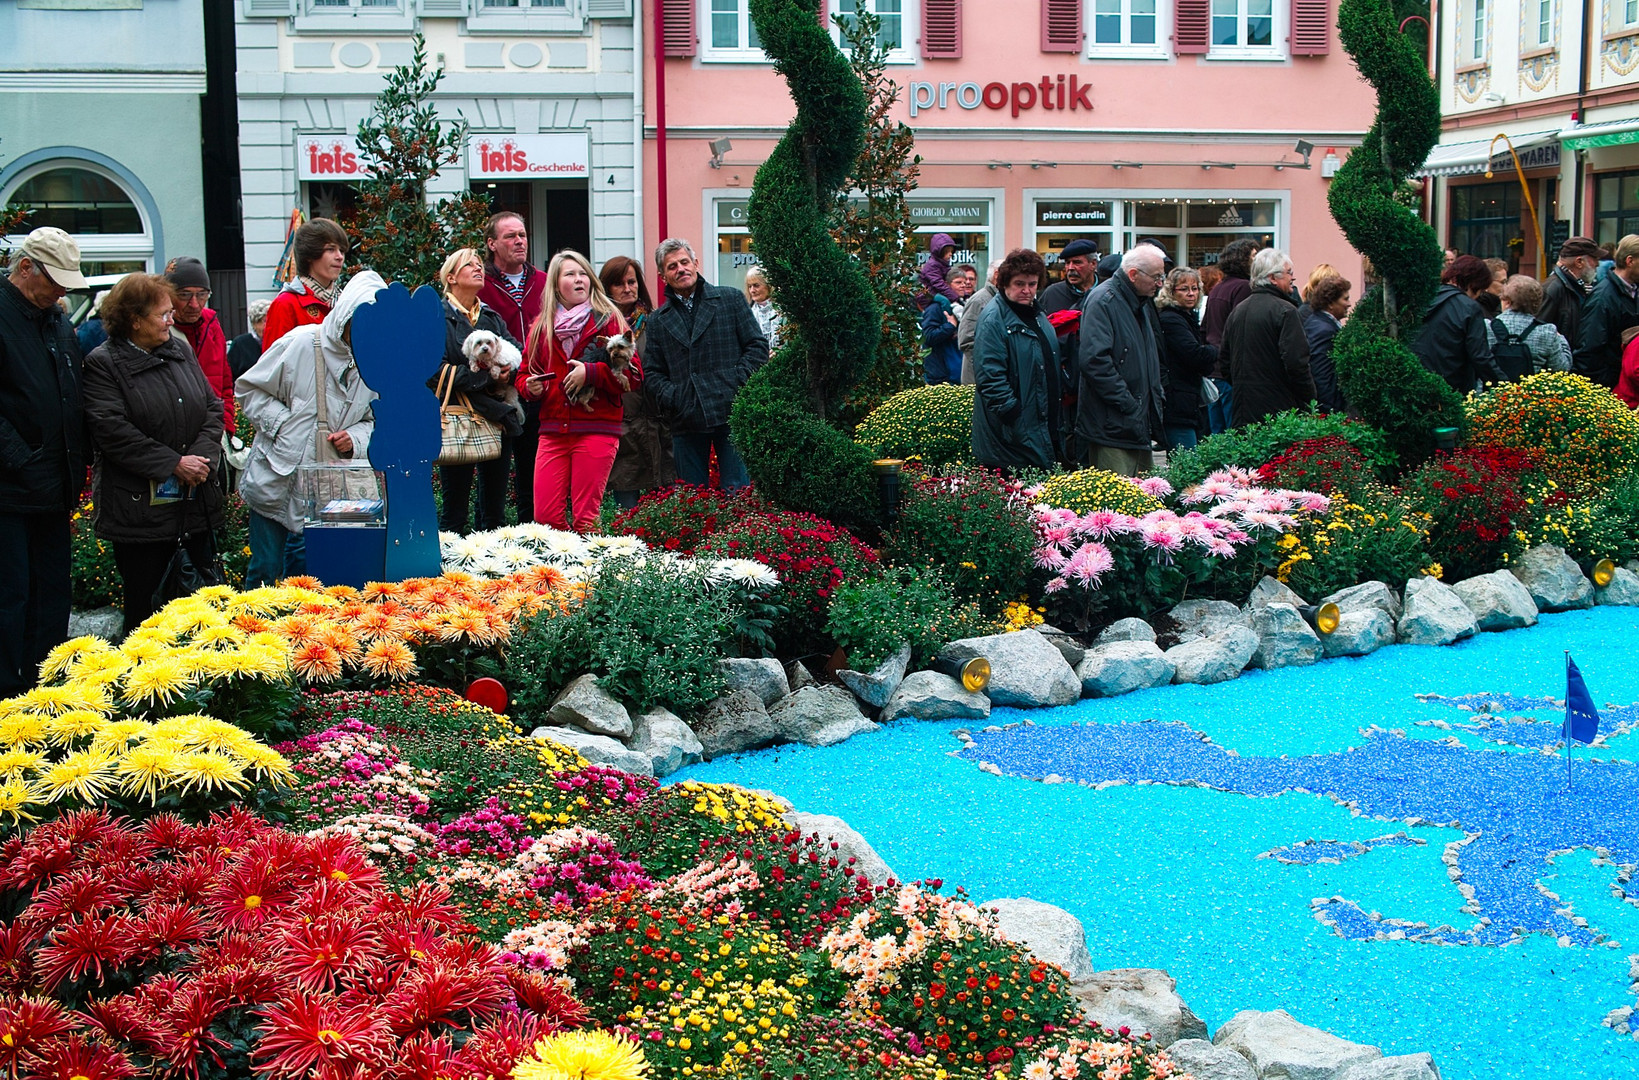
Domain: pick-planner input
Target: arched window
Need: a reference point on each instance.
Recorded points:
(90, 204)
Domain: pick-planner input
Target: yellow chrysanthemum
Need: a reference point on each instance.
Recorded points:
(144, 769)
(226, 636)
(582, 1055)
(116, 735)
(74, 724)
(197, 732)
(160, 679)
(14, 796)
(264, 763)
(18, 760)
(55, 700)
(58, 660)
(86, 775)
(23, 729)
(207, 772)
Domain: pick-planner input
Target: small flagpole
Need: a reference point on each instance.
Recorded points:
(1567, 721)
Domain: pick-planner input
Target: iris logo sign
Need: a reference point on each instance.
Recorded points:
(1061, 93)
(521, 157)
(325, 157)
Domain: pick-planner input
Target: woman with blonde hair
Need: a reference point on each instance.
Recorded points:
(761, 299)
(461, 277)
(563, 359)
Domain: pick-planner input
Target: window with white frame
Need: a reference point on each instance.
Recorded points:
(91, 204)
(732, 37)
(1247, 29)
(1473, 27)
(730, 34)
(1538, 32)
(1126, 28)
(1624, 17)
(895, 33)
(345, 7)
(539, 16)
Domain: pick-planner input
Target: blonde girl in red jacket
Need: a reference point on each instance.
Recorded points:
(578, 441)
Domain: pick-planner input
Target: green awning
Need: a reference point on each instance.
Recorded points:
(1622, 133)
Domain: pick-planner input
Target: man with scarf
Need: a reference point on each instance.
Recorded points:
(703, 344)
(514, 289)
(201, 328)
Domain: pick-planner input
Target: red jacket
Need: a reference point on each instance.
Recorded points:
(210, 348)
(495, 294)
(294, 306)
(560, 416)
(1627, 383)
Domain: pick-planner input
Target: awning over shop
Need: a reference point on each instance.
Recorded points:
(1537, 149)
(1609, 133)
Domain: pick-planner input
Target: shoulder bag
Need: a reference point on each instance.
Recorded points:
(468, 437)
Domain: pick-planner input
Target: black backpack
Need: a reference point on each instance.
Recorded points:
(1511, 353)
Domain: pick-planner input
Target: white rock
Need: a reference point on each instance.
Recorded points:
(1359, 632)
(1143, 1000)
(1198, 619)
(107, 623)
(1367, 594)
(1434, 615)
(1203, 1061)
(1122, 666)
(1553, 579)
(599, 749)
(586, 705)
(818, 716)
(1068, 647)
(1399, 1067)
(1498, 601)
(876, 686)
(1131, 629)
(1026, 670)
(1623, 591)
(1284, 639)
(1050, 933)
(1278, 1046)
(849, 844)
(1272, 591)
(763, 677)
(933, 695)
(663, 737)
(734, 722)
(1218, 658)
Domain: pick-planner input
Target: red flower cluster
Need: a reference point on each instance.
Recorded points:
(808, 886)
(235, 945)
(1476, 501)
(1330, 465)
(680, 517)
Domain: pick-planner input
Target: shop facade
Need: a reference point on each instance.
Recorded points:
(547, 87)
(1543, 96)
(1043, 122)
(100, 126)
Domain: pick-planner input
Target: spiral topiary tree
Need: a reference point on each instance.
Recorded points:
(782, 419)
(1381, 376)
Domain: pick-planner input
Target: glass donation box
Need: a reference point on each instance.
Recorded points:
(344, 521)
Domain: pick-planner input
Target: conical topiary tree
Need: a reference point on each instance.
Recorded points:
(783, 418)
(1380, 375)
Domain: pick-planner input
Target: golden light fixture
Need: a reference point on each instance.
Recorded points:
(976, 674)
(1603, 571)
(1323, 619)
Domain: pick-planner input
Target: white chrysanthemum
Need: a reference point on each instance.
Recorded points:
(744, 572)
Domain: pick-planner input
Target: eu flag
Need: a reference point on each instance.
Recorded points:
(1581, 718)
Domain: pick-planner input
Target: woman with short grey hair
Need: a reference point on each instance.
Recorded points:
(246, 349)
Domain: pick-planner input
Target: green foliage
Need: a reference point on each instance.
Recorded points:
(874, 223)
(1383, 378)
(1250, 446)
(403, 146)
(12, 217)
(783, 418)
(651, 631)
(930, 424)
(976, 528)
(870, 619)
(1619, 513)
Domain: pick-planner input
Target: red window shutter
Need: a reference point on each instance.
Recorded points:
(1191, 26)
(1311, 27)
(942, 29)
(1061, 25)
(680, 36)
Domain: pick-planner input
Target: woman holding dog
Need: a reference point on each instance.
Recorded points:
(461, 277)
(566, 368)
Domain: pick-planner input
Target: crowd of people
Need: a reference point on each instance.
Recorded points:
(1128, 353)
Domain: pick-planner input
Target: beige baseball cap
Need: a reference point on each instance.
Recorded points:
(57, 254)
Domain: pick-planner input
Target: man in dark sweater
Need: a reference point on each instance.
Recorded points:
(1568, 285)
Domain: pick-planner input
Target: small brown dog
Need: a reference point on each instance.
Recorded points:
(619, 349)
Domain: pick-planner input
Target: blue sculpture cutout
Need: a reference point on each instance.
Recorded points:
(398, 339)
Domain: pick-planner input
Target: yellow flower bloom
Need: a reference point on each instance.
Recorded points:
(86, 775)
(582, 1055)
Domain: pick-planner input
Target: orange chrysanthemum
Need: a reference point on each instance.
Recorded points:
(317, 662)
(388, 659)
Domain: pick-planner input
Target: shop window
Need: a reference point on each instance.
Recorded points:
(1126, 28)
(1060, 221)
(1192, 230)
(1473, 25)
(1247, 30)
(1616, 206)
(90, 205)
(1484, 218)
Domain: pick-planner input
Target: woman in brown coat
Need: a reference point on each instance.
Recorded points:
(157, 427)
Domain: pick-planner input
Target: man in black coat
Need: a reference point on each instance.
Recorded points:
(1119, 404)
(1079, 258)
(1265, 353)
(1612, 308)
(42, 452)
(700, 347)
(1566, 290)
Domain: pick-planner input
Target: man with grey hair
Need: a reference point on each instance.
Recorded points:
(1121, 396)
(1265, 353)
(700, 347)
(42, 451)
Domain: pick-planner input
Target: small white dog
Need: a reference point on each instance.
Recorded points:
(495, 356)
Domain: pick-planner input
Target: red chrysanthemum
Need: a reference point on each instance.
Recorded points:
(436, 995)
(77, 1057)
(85, 948)
(303, 1032)
(26, 1022)
(315, 955)
(548, 997)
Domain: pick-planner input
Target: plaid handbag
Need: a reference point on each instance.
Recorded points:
(468, 437)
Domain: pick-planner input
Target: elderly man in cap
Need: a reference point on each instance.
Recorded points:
(42, 452)
(1568, 285)
(199, 326)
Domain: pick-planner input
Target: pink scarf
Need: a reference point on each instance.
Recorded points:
(568, 324)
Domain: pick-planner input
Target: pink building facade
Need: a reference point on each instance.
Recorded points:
(1192, 122)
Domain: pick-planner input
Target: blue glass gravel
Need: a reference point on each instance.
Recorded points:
(1172, 795)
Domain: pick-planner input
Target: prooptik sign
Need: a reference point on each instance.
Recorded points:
(527, 157)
